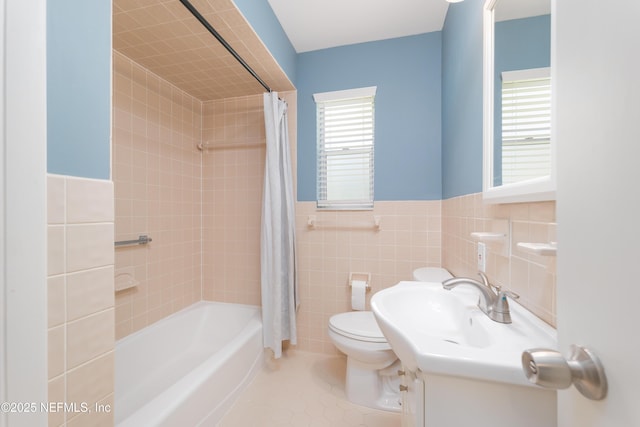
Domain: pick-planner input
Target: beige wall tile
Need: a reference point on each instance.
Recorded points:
(92, 381)
(89, 201)
(89, 291)
(531, 276)
(70, 344)
(56, 392)
(56, 250)
(55, 199)
(56, 356)
(56, 307)
(89, 246)
(543, 212)
(101, 414)
(232, 185)
(90, 337)
(344, 242)
(157, 189)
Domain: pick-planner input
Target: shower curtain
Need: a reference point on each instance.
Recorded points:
(279, 283)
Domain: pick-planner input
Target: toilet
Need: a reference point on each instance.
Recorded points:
(372, 378)
(372, 367)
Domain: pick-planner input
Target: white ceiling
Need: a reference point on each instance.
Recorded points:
(516, 9)
(319, 24)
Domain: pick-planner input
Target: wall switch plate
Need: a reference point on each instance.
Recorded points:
(482, 257)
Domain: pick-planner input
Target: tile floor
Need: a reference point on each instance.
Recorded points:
(303, 389)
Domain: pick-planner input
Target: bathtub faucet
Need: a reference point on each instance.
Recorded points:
(493, 300)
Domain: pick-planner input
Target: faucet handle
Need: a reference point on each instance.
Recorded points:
(485, 281)
(501, 310)
(484, 278)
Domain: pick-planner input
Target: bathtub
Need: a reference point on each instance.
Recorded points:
(187, 369)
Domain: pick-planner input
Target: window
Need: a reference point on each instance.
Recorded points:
(345, 124)
(526, 124)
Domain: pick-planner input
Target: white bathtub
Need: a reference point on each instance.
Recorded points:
(186, 370)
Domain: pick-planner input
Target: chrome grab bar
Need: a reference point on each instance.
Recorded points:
(141, 240)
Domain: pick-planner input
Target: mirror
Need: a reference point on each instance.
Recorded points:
(519, 154)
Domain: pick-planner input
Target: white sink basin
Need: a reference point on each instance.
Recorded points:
(444, 332)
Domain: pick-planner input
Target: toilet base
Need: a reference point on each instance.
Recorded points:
(377, 389)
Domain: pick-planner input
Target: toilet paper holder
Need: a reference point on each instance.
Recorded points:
(362, 277)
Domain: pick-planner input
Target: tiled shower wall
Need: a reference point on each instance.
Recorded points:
(80, 299)
(533, 277)
(233, 176)
(201, 208)
(157, 178)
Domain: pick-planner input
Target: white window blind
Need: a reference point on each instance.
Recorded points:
(345, 124)
(526, 124)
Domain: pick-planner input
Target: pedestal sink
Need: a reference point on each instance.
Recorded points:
(463, 358)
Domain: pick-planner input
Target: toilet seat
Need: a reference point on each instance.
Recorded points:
(357, 325)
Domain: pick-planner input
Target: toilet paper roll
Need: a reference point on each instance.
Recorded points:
(358, 290)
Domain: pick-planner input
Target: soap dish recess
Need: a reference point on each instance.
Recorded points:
(488, 236)
(124, 279)
(544, 249)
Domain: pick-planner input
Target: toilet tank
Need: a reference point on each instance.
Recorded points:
(431, 274)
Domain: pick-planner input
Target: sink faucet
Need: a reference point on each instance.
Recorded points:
(492, 303)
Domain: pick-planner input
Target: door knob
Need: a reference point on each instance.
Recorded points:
(547, 368)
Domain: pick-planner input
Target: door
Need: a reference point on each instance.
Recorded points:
(597, 100)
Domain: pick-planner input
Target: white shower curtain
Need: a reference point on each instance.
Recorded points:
(277, 243)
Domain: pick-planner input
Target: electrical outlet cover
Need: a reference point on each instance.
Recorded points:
(482, 257)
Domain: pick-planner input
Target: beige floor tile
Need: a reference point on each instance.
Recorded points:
(303, 390)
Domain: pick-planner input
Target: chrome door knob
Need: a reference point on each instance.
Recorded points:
(548, 368)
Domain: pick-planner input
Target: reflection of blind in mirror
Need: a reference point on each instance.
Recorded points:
(345, 153)
(526, 124)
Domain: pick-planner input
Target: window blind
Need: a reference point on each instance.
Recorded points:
(526, 124)
(345, 124)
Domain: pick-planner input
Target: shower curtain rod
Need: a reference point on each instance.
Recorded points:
(224, 43)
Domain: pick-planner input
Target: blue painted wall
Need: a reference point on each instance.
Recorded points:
(79, 88)
(520, 44)
(462, 99)
(428, 105)
(407, 72)
(266, 25)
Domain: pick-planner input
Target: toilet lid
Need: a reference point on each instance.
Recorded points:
(359, 325)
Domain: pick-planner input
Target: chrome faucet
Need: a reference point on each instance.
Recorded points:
(493, 300)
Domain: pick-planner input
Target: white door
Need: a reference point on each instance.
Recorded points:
(597, 95)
